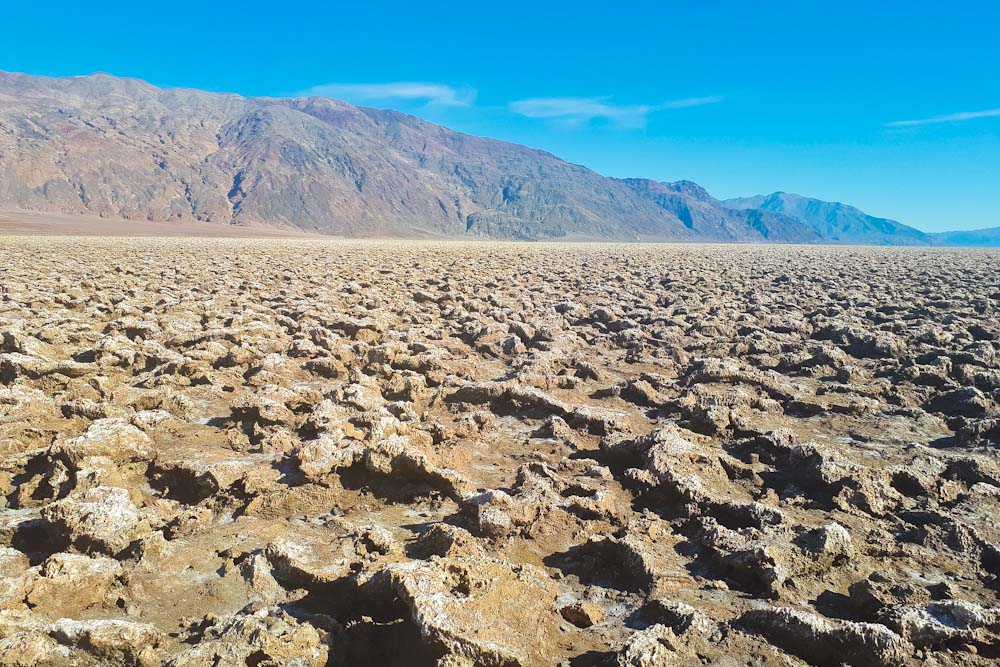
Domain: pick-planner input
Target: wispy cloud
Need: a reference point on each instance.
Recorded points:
(431, 93)
(580, 109)
(583, 109)
(950, 118)
(691, 102)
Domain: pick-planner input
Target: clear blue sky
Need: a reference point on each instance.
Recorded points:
(799, 96)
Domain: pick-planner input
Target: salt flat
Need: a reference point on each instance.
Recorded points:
(261, 451)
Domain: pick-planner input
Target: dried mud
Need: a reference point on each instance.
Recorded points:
(221, 452)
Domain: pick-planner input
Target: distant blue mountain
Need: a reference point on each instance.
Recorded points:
(839, 223)
(835, 222)
(984, 238)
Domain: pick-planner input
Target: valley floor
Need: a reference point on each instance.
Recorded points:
(308, 452)
(36, 223)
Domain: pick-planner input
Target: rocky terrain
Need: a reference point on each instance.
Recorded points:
(122, 148)
(232, 452)
(835, 222)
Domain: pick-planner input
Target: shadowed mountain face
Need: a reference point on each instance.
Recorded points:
(835, 222)
(123, 148)
(694, 206)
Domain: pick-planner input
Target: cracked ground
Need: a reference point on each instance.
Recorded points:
(230, 452)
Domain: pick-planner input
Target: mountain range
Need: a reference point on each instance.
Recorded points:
(122, 148)
(840, 223)
(835, 222)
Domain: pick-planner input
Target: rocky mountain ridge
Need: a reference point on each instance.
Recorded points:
(834, 221)
(124, 148)
(841, 223)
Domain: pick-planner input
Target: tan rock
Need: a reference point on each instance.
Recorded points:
(582, 614)
(468, 605)
(102, 519)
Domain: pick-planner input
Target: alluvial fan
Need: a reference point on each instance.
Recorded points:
(301, 452)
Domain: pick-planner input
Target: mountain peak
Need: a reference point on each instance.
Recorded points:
(834, 221)
(123, 148)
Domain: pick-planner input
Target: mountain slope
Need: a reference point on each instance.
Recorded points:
(690, 203)
(124, 148)
(984, 238)
(835, 222)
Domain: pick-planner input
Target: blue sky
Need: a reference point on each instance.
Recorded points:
(894, 108)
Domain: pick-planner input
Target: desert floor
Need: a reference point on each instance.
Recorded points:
(305, 452)
(15, 222)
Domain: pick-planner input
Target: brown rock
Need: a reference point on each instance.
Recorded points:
(582, 614)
